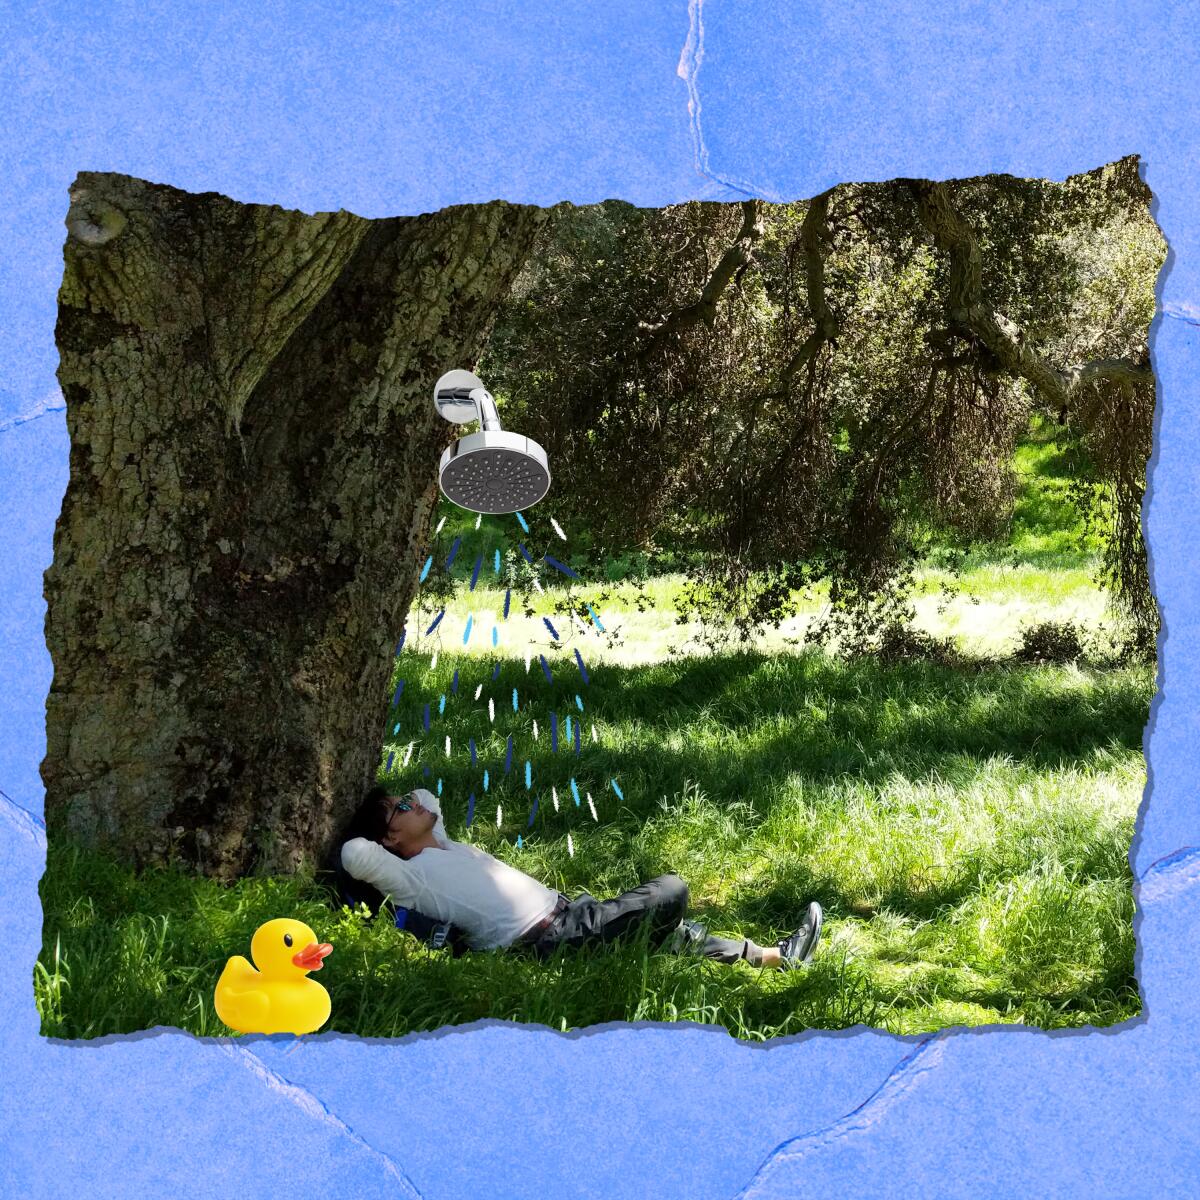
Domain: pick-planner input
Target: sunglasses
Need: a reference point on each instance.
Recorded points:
(401, 806)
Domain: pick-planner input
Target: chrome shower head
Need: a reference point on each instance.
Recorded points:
(492, 471)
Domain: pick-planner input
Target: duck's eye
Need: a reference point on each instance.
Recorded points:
(287, 939)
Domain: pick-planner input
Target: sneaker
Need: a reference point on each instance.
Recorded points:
(796, 950)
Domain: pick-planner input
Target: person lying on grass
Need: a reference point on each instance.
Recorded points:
(398, 845)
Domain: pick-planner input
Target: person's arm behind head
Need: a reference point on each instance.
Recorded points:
(389, 874)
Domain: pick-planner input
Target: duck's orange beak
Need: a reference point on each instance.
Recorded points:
(312, 957)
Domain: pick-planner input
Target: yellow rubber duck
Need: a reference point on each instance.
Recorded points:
(276, 998)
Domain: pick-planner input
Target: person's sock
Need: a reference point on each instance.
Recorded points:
(753, 953)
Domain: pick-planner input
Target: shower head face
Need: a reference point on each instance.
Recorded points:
(494, 472)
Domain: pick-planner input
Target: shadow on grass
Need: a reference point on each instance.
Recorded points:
(758, 736)
(741, 725)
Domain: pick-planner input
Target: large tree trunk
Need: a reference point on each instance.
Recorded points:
(253, 473)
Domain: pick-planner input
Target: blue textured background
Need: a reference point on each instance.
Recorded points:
(407, 107)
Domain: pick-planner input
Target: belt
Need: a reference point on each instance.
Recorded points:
(535, 931)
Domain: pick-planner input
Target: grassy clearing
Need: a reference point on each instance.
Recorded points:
(1045, 571)
(992, 603)
(966, 828)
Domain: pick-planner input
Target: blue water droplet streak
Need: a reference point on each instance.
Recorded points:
(559, 566)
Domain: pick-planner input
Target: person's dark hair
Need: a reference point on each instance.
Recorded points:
(371, 817)
(369, 821)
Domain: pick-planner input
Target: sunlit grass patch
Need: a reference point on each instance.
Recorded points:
(989, 607)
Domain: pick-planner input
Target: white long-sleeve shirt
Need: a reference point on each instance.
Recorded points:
(493, 903)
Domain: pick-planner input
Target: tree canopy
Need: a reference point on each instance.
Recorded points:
(818, 390)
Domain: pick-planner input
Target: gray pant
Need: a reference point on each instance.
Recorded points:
(659, 904)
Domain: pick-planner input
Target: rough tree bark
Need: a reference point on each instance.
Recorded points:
(253, 473)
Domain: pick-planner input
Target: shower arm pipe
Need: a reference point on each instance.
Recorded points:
(485, 405)
(469, 403)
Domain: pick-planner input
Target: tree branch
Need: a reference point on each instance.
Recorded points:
(814, 233)
(969, 313)
(735, 259)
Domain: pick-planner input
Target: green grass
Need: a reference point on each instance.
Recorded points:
(990, 605)
(966, 828)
